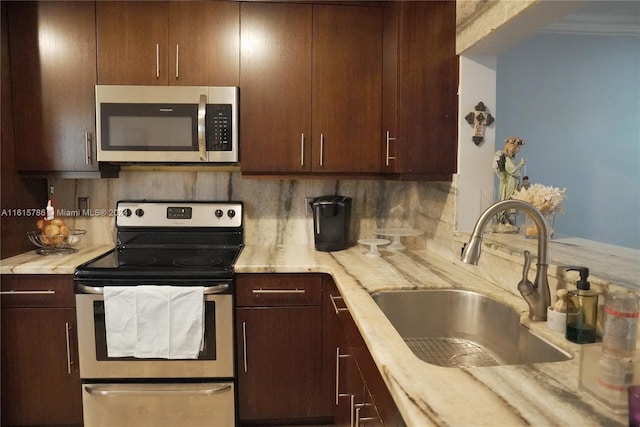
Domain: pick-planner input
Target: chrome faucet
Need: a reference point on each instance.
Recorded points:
(535, 294)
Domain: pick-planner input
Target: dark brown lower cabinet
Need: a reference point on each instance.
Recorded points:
(359, 393)
(279, 348)
(301, 358)
(40, 376)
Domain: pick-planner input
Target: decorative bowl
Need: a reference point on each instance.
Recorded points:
(56, 244)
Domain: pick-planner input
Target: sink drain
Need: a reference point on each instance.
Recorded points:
(450, 352)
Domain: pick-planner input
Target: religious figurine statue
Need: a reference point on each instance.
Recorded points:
(508, 173)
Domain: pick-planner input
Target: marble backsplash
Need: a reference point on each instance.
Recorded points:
(275, 209)
(275, 214)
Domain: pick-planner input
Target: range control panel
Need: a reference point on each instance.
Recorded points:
(178, 214)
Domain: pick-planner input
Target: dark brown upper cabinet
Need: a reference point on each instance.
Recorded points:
(168, 43)
(420, 83)
(311, 82)
(53, 68)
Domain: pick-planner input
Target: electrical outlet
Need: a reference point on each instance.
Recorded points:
(83, 206)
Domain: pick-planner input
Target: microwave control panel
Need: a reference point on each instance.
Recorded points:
(219, 131)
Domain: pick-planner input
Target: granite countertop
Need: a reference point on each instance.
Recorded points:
(544, 394)
(33, 263)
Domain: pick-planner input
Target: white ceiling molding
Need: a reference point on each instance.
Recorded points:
(596, 24)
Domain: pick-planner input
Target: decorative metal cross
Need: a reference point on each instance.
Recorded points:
(479, 119)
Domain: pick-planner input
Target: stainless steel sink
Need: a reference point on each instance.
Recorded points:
(455, 328)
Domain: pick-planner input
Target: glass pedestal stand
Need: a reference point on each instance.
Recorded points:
(396, 234)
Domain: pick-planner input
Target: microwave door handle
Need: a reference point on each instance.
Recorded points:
(202, 109)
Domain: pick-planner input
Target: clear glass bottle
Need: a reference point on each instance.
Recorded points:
(620, 326)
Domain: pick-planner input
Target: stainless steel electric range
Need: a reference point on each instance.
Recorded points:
(162, 244)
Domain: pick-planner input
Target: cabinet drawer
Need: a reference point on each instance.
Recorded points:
(37, 290)
(259, 290)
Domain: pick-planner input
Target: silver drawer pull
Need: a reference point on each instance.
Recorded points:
(106, 390)
(278, 291)
(12, 292)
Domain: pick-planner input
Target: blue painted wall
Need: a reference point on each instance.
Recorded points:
(575, 99)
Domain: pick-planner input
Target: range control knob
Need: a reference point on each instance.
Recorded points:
(126, 212)
(219, 213)
(231, 213)
(139, 212)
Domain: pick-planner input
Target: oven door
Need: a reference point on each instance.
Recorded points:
(156, 405)
(215, 361)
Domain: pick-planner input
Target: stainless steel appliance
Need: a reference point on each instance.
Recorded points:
(167, 124)
(331, 222)
(163, 243)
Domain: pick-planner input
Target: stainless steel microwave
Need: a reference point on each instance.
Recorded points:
(167, 124)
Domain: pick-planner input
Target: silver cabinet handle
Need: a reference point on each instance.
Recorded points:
(278, 291)
(156, 389)
(352, 410)
(321, 149)
(177, 61)
(335, 307)
(244, 345)
(87, 148)
(67, 335)
(337, 374)
(202, 111)
(157, 61)
(360, 419)
(12, 292)
(302, 149)
(338, 357)
(388, 142)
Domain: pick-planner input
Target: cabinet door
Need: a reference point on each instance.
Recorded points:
(53, 57)
(279, 363)
(347, 87)
(40, 377)
(419, 133)
(204, 45)
(132, 42)
(275, 79)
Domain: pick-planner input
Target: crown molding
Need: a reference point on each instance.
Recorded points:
(596, 24)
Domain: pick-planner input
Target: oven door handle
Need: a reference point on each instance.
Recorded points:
(157, 390)
(99, 290)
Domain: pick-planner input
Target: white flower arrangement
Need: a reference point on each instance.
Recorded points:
(548, 200)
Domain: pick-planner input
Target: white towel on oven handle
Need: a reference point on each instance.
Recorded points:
(169, 321)
(120, 320)
(186, 322)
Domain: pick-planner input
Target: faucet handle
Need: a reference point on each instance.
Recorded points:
(525, 286)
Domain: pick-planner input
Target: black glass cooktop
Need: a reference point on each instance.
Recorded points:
(160, 263)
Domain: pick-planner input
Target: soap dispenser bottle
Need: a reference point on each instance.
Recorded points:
(582, 310)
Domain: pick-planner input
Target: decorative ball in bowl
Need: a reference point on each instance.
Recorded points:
(62, 242)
